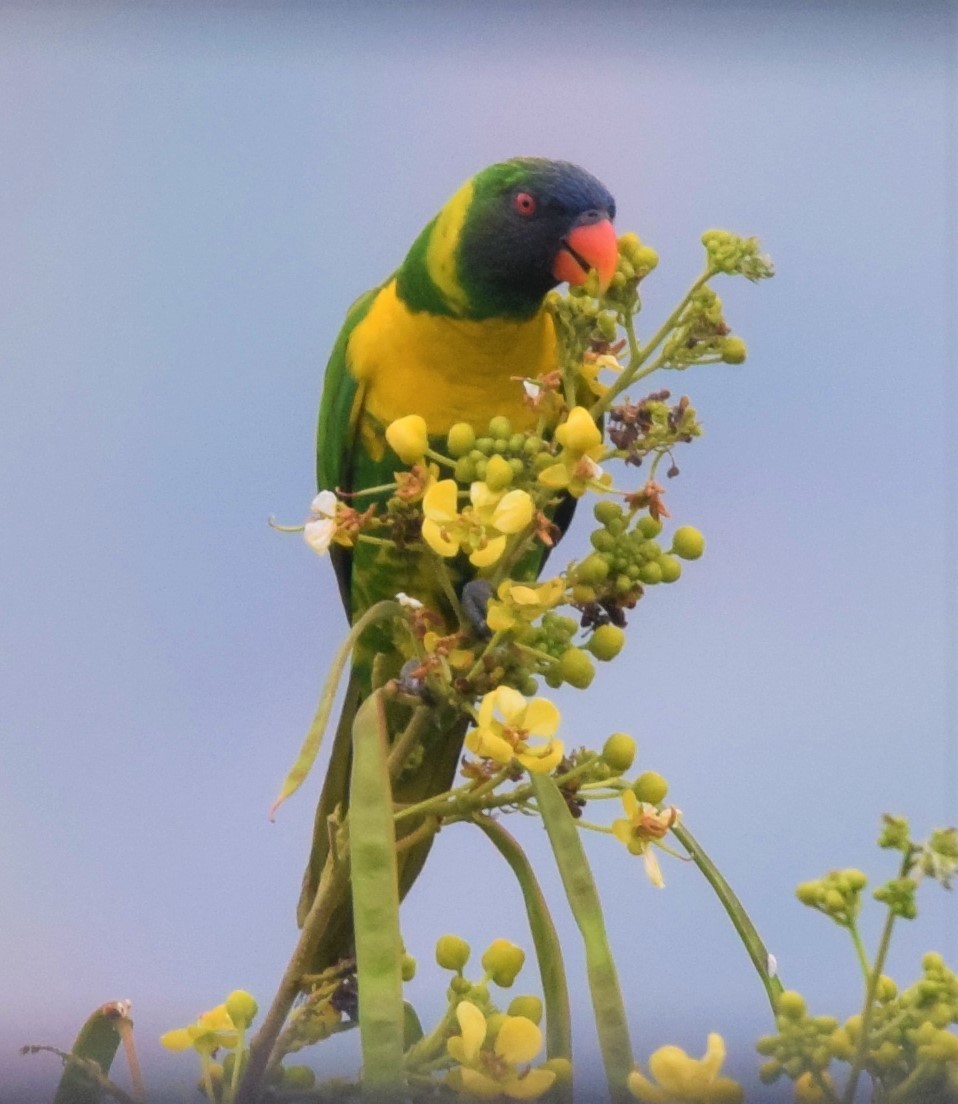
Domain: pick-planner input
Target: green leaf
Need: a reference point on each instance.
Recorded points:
(372, 847)
(607, 1003)
(412, 1026)
(544, 936)
(98, 1041)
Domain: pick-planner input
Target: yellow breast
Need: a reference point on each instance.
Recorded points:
(447, 370)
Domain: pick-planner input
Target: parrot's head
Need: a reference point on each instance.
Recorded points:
(513, 232)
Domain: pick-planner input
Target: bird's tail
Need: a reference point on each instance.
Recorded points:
(429, 770)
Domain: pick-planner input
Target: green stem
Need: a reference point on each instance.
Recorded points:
(635, 370)
(237, 1063)
(860, 950)
(741, 921)
(873, 977)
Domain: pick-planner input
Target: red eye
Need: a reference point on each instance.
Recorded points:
(524, 204)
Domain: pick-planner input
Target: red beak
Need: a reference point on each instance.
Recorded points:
(589, 245)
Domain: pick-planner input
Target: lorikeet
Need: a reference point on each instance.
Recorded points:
(444, 337)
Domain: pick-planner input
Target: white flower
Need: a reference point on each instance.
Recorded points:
(319, 531)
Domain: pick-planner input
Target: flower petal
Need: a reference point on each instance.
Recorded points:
(440, 501)
(473, 1025)
(714, 1053)
(643, 1089)
(488, 744)
(519, 1040)
(475, 1083)
(674, 1070)
(510, 704)
(178, 1039)
(543, 759)
(318, 534)
(529, 1085)
(542, 718)
(489, 553)
(324, 504)
(437, 540)
(514, 512)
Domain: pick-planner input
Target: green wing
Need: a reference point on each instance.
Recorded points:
(336, 433)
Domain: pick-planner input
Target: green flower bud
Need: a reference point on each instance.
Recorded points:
(733, 350)
(767, 1045)
(582, 594)
(501, 444)
(886, 989)
(298, 1077)
(651, 573)
(530, 1007)
(241, 1008)
(576, 668)
(593, 569)
(606, 643)
(494, 1022)
(500, 427)
(606, 325)
(452, 953)
(618, 752)
(623, 584)
(485, 445)
(791, 1005)
(602, 540)
(561, 1067)
(650, 787)
(671, 568)
(517, 442)
(648, 526)
(461, 439)
(606, 511)
(688, 543)
(532, 445)
(808, 893)
(498, 473)
(502, 961)
(408, 967)
(465, 470)
(459, 985)
(769, 1072)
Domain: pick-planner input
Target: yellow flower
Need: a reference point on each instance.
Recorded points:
(408, 439)
(576, 467)
(488, 1072)
(519, 604)
(479, 530)
(214, 1029)
(508, 739)
(645, 825)
(685, 1080)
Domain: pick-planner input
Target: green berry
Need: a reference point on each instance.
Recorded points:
(461, 439)
(452, 953)
(576, 668)
(671, 568)
(688, 543)
(650, 787)
(607, 642)
(619, 752)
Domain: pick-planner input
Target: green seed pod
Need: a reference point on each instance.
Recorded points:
(651, 572)
(688, 542)
(502, 961)
(461, 439)
(593, 569)
(241, 1008)
(606, 643)
(671, 568)
(530, 1007)
(606, 511)
(618, 752)
(650, 787)
(576, 668)
(648, 526)
(465, 471)
(452, 953)
(500, 427)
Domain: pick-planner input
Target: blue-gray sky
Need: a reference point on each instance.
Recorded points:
(190, 198)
